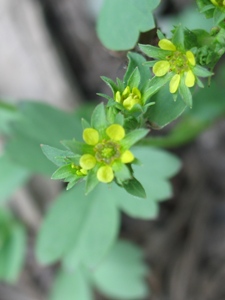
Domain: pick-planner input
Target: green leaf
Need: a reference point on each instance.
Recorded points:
(71, 286)
(8, 114)
(91, 181)
(63, 172)
(185, 93)
(98, 118)
(137, 61)
(78, 227)
(201, 72)
(133, 137)
(165, 109)
(178, 38)
(155, 84)
(40, 124)
(121, 21)
(12, 253)
(121, 275)
(57, 156)
(134, 78)
(12, 177)
(135, 188)
(110, 83)
(154, 52)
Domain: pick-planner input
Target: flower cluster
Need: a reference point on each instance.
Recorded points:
(106, 152)
(177, 61)
(128, 98)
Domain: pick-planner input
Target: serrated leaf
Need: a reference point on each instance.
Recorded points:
(127, 18)
(125, 278)
(84, 227)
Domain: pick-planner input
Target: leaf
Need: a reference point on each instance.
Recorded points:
(12, 177)
(12, 253)
(56, 155)
(201, 72)
(185, 93)
(121, 274)
(121, 21)
(63, 172)
(155, 84)
(78, 228)
(71, 286)
(154, 52)
(40, 124)
(91, 181)
(137, 61)
(134, 78)
(165, 109)
(98, 118)
(134, 187)
(132, 137)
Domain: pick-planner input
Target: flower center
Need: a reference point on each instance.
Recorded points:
(179, 62)
(107, 152)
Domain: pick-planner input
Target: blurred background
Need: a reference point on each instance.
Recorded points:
(50, 53)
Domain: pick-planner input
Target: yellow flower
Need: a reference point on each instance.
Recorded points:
(106, 150)
(128, 98)
(179, 62)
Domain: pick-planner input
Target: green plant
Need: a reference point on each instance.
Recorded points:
(109, 159)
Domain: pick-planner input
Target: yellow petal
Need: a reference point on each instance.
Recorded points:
(130, 102)
(115, 132)
(191, 58)
(161, 67)
(87, 161)
(190, 79)
(126, 92)
(90, 136)
(105, 174)
(167, 45)
(118, 97)
(174, 83)
(127, 157)
(136, 92)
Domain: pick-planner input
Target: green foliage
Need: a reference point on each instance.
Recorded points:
(124, 279)
(39, 124)
(71, 286)
(121, 21)
(12, 176)
(12, 247)
(84, 227)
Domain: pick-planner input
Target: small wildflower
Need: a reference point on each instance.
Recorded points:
(107, 150)
(128, 98)
(179, 62)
